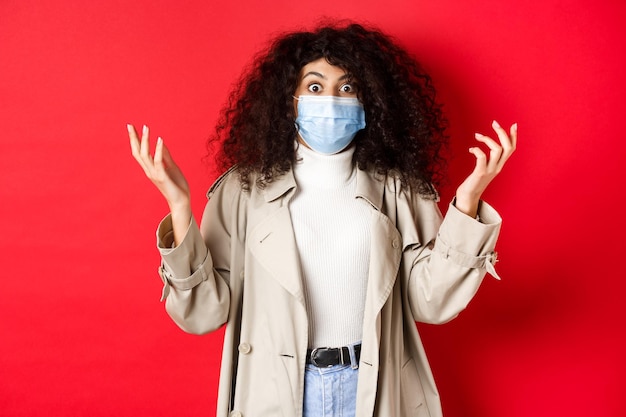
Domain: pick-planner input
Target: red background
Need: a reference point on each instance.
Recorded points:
(82, 331)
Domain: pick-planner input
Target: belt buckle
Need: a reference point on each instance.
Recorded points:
(314, 360)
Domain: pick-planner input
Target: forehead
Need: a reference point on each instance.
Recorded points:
(320, 68)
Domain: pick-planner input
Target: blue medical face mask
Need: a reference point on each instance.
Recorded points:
(328, 123)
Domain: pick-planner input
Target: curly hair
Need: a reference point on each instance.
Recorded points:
(405, 126)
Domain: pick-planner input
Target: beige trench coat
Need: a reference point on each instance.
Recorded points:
(242, 269)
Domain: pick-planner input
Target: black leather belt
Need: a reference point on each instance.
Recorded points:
(325, 357)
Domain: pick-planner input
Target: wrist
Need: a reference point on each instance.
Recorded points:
(181, 219)
(180, 210)
(180, 204)
(467, 204)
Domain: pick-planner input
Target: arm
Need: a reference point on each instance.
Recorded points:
(445, 273)
(447, 269)
(197, 297)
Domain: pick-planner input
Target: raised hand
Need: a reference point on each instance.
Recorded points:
(165, 175)
(487, 168)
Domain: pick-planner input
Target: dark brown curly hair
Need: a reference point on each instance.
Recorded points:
(405, 129)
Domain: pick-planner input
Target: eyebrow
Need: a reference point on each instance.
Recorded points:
(320, 75)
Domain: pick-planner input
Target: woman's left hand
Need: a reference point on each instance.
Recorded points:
(469, 192)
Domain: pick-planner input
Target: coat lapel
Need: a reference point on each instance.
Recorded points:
(385, 260)
(272, 241)
(273, 245)
(384, 264)
(386, 247)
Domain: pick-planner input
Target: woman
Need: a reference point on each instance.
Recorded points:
(323, 243)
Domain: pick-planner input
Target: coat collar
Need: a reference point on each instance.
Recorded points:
(369, 186)
(279, 186)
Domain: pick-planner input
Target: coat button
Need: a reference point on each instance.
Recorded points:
(235, 413)
(241, 274)
(395, 244)
(245, 348)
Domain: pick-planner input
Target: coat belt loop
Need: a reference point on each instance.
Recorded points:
(354, 364)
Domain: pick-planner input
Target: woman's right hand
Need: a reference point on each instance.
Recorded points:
(165, 175)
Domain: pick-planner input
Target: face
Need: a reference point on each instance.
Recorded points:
(319, 78)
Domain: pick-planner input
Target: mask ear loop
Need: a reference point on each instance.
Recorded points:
(296, 123)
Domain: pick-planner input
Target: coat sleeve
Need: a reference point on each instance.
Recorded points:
(196, 273)
(447, 259)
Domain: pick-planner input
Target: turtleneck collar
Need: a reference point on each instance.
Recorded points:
(313, 169)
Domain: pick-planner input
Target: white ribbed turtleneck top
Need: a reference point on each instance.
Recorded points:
(332, 232)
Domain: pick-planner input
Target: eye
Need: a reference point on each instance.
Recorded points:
(314, 88)
(347, 88)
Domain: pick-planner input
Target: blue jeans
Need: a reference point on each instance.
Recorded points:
(330, 392)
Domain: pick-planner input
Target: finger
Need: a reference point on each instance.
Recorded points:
(495, 151)
(144, 149)
(491, 143)
(145, 140)
(481, 159)
(134, 140)
(162, 157)
(508, 142)
(514, 135)
(167, 159)
(135, 147)
(503, 136)
(158, 155)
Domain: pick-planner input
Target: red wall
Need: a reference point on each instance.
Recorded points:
(81, 330)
